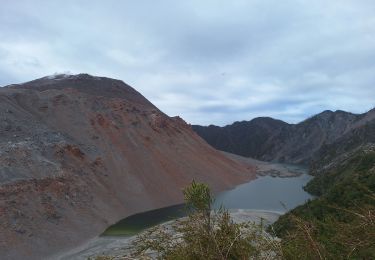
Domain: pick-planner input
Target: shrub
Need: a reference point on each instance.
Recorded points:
(207, 235)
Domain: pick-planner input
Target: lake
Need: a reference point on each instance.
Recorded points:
(265, 193)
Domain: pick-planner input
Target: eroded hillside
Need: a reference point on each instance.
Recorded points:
(79, 152)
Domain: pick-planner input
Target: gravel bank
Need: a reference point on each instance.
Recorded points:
(120, 246)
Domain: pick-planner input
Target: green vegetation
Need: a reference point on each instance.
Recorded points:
(207, 235)
(340, 224)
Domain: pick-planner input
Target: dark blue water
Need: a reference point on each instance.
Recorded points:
(264, 193)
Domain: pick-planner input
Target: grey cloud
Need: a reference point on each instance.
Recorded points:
(208, 61)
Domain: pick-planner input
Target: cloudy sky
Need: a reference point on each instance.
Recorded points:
(211, 62)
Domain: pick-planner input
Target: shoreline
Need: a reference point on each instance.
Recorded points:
(118, 246)
(273, 169)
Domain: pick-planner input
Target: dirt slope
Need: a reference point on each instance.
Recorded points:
(78, 153)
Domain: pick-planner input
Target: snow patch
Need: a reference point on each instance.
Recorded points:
(68, 75)
(59, 76)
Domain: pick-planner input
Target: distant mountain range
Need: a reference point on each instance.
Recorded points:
(321, 137)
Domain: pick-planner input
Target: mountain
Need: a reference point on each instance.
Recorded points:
(79, 153)
(274, 140)
(357, 138)
(246, 138)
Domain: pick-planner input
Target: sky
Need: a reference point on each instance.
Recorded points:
(210, 62)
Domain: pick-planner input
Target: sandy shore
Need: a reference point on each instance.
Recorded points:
(263, 168)
(120, 246)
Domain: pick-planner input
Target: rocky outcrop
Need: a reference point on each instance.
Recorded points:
(79, 153)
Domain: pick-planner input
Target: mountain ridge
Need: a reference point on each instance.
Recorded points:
(279, 141)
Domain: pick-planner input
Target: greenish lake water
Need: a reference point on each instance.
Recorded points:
(138, 222)
(265, 193)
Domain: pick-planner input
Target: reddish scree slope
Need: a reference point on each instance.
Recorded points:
(78, 153)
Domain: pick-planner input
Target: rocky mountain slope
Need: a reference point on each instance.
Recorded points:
(78, 153)
(359, 137)
(273, 140)
(244, 138)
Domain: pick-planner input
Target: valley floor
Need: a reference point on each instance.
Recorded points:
(273, 169)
